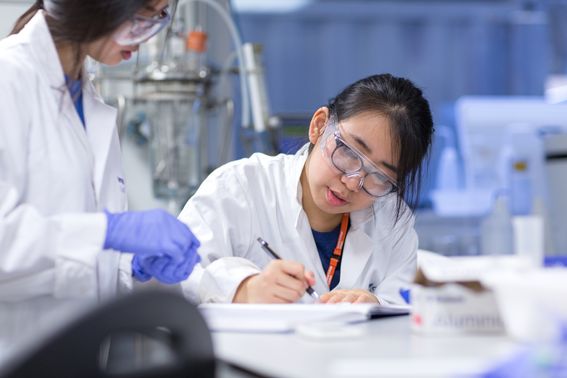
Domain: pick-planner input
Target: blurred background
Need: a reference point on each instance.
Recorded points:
(230, 78)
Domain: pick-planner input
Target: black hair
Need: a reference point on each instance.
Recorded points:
(82, 21)
(410, 119)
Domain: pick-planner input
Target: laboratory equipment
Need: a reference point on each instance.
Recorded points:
(529, 238)
(522, 166)
(555, 146)
(520, 187)
(489, 128)
(447, 198)
(448, 175)
(180, 109)
(496, 229)
(265, 136)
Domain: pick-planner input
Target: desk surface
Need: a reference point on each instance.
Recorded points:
(386, 348)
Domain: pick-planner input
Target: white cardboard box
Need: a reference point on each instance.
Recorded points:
(448, 297)
(453, 308)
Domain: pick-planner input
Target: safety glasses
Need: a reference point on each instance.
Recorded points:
(139, 28)
(354, 164)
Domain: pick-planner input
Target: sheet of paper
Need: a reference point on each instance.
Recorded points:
(285, 317)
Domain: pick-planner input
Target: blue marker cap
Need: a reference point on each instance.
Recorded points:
(405, 293)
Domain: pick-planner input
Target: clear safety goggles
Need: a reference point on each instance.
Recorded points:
(354, 164)
(139, 28)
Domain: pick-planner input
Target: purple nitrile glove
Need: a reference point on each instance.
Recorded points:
(163, 269)
(137, 271)
(152, 233)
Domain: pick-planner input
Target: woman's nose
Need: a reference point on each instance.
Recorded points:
(353, 181)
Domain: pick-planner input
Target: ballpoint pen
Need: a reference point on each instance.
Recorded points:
(267, 248)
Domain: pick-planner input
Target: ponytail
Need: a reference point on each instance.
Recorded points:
(26, 17)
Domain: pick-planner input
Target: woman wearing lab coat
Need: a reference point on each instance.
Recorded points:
(62, 191)
(335, 212)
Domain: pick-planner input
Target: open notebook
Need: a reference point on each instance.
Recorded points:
(286, 317)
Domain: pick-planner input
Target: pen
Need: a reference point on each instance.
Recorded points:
(267, 248)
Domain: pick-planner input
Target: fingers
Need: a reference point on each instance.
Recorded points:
(138, 272)
(366, 299)
(180, 254)
(167, 236)
(292, 276)
(184, 269)
(195, 242)
(166, 270)
(291, 268)
(161, 269)
(195, 258)
(335, 298)
(280, 282)
(149, 233)
(310, 278)
(349, 296)
(277, 300)
(181, 239)
(294, 270)
(172, 273)
(287, 295)
(180, 243)
(291, 283)
(175, 273)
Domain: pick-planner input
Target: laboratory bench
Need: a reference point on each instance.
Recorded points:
(384, 347)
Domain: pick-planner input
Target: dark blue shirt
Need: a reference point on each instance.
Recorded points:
(76, 91)
(326, 243)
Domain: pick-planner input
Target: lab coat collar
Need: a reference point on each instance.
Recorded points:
(100, 118)
(358, 242)
(101, 126)
(37, 34)
(295, 174)
(358, 249)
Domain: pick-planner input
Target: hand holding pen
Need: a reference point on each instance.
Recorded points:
(281, 281)
(266, 247)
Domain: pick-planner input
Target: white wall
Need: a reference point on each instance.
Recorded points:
(10, 10)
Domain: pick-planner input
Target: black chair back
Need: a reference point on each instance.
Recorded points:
(75, 351)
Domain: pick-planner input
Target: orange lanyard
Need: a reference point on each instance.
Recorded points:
(338, 251)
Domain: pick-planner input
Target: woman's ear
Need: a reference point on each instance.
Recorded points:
(318, 123)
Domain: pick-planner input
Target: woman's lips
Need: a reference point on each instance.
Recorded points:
(334, 199)
(126, 54)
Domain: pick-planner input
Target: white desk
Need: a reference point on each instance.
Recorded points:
(387, 348)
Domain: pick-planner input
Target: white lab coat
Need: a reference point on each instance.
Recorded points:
(261, 197)
(55, 179)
